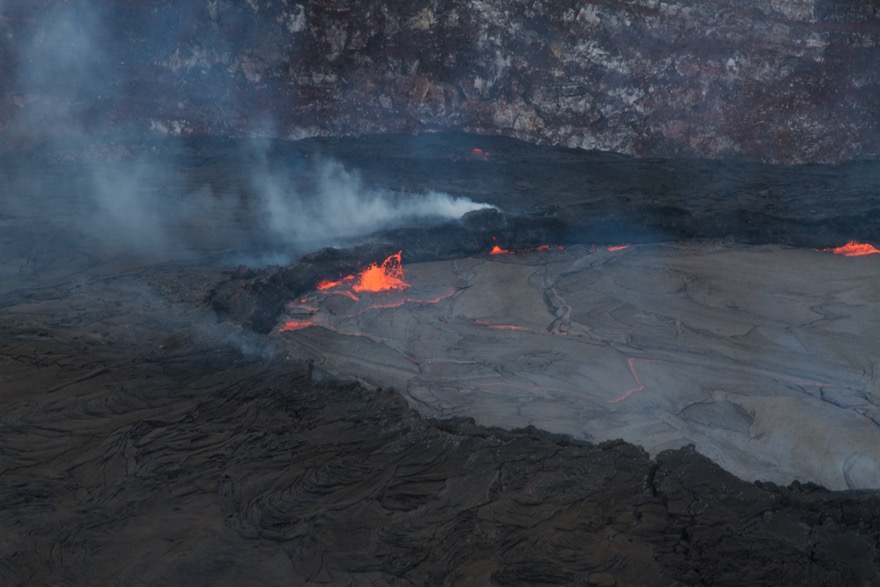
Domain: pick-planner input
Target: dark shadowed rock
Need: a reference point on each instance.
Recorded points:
(253, 474)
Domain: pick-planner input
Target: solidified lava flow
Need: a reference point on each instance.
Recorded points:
(499, 326)
(653, 344)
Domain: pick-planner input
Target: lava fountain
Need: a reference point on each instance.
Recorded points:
(384, 277)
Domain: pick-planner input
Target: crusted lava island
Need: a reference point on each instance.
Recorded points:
(435, 360)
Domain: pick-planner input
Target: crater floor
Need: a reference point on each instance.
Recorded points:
(152, 434)
(761, 356)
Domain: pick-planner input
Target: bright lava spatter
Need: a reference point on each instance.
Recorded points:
(384, 277)
(375, 278)
(388, 275)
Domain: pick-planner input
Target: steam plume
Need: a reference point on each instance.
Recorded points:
(342, 206)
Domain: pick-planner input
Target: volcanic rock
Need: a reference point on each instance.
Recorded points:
(787, 81)
(168, 460)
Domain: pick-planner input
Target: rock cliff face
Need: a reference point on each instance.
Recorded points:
(783, 80)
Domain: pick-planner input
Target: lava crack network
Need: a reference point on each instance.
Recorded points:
(753, 354)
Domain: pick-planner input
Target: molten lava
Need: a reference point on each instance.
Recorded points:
(499, 250)
(388, 275)
(854, 249)
(477, 153)
(296, 325)
(326, 284)
(618, 248)
(384, 277)
(631, 363)
(375, 278)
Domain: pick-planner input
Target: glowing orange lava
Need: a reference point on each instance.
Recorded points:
(475, 154)
(854, 249)
(295, 325)
(388, 275)
(618, 248)
(326, 284)
(499, 250)
(631, 363)
(404, 301)
(478, 153)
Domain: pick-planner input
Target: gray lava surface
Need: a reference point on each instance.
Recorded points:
(763, 357)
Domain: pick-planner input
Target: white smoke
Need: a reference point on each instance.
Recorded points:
(342, 206)
(146, 205)
(129, 211)
(61, 68)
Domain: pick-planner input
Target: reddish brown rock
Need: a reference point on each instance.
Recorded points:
(787, 81)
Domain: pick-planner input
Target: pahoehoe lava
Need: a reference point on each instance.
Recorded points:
(152, 433)
(642, 342)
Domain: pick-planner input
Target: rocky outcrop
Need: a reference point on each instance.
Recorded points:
(785, 81)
